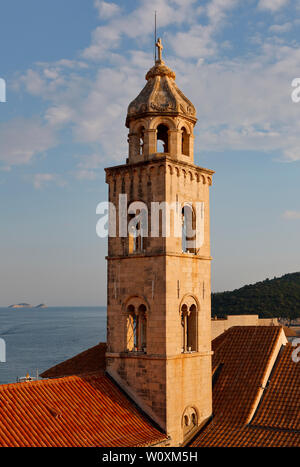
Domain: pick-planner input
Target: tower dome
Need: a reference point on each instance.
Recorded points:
(160, 119)
(160, 95)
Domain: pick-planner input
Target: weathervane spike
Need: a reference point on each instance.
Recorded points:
(155, 37)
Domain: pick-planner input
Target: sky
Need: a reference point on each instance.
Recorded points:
(71, 68)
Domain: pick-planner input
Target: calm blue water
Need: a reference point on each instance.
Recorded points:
(41, 338)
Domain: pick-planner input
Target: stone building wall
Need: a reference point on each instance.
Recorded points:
(218, 326)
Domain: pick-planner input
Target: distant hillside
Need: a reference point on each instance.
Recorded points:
(278, 297)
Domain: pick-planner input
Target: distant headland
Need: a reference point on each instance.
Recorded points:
(27, 305)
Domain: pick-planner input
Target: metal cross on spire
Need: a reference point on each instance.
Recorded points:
(160, 48)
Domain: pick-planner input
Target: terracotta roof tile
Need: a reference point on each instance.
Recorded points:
(244, 354)
(89, 361)
(72, 411)
(280, 405)
(227, 435)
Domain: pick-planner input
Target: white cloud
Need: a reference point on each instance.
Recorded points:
(244, 103)
(216, 9)
(33, 82)
(42, 179)
(106, 10)
(22, 139)
(199, 40)
(87, 165)
(90, 161)
(59, 115)
(139, 24)
(292, 153)
(85, 175)
(281, 28)
(292, 215)
(272, 5)
(49, 80)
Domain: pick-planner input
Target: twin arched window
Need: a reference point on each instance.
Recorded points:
(189, 421)
(188, 315)
(136, 328)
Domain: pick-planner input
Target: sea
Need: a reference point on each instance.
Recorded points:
(38, 338)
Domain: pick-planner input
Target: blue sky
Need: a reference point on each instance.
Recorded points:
(71, 69)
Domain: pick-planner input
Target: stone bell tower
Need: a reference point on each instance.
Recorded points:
(159, 281)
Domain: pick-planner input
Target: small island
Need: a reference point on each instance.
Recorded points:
(27, 305)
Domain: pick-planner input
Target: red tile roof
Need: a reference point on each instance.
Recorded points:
(90, 410)
(227, 435)
(243, 355)
(280, 406)
(244, 352)
(89, 361)
(72, 411)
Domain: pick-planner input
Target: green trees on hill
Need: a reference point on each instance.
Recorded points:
(278, 297)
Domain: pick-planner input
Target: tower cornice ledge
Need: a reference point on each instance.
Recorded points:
(158, 113)
(181, 356)
(151, 255)
(159, 159)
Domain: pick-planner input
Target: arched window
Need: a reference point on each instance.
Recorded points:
(188, 237)
(135, 238)
(192, 329)
(131, 328)
(188, 318)
(185, 146)
(162, 138)
(137, 227)
(136, 328)
(189, 421)
(143, 328)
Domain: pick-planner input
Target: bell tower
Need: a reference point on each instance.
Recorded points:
(159, 280)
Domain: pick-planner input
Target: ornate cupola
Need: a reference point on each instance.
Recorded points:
(161, 119)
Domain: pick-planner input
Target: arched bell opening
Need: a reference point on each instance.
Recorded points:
(141, 141)
(162, 139)
(185, 142)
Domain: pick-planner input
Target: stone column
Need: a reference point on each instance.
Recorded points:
(134, 146)
(174, 143)
(150, 142)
